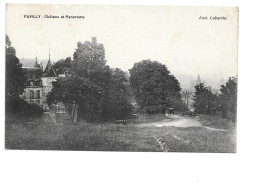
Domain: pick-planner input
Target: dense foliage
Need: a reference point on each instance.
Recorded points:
(154, 88)
(15, 77)
(63, 66)
(205, 102)
(15, 84)
(21, 108)
(228, 99)
(92, 85)
(224, 104)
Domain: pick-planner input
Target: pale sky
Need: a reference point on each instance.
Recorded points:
(174, 36)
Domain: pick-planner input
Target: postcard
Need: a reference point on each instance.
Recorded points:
(121, 78)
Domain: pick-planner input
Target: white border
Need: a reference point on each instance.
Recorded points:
(59, 167)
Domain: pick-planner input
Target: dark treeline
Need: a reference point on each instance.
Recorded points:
(102, 93)
(223, 104)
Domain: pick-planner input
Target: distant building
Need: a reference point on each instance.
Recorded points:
(39, 83)
(198, 80)
(33, 91)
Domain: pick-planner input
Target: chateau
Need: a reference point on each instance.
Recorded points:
(39, 83)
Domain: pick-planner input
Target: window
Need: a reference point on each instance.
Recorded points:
(38, 95)
(31, 94)
(31, 83)
(38, 102)
(38, 83)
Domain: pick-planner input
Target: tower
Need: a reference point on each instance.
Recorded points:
(198, 79)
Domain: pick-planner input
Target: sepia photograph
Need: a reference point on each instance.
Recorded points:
(121, 78)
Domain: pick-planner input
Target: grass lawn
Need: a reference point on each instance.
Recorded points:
(92, 137)
(116, 137)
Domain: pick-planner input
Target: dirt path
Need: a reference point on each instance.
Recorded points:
(179, 121)
(165, 137)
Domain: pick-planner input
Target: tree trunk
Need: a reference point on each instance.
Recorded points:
(75, 113)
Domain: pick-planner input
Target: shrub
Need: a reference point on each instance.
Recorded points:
(21, 108)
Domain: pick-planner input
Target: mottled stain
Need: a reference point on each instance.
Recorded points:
(70, 25)
(235, 9)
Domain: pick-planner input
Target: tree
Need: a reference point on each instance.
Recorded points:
(117, 96)
(78, 90)
(15, 77)
(228, 99)
(20, 108)
(89, 62)
(72, 89)
(173, 94)
(154, 88)
(15, 85)
(92, 85)
(63, 66)
(205, 102)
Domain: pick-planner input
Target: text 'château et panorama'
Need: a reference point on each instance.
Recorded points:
(53, 16)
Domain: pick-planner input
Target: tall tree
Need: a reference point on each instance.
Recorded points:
(228, 99)
(117, 96)
(205, 102)
(153, 86)
(15, 77)
(15, 84)
(89, 62)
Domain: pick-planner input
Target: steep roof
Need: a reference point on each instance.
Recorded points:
(49, 71)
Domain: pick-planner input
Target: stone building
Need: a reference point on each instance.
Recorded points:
(33, 91)
(39, 83)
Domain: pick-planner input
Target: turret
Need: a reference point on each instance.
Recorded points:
(49, 71)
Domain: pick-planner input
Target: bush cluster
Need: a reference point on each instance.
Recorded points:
(21, 108)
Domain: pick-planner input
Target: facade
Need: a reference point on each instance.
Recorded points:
(39, 84)
(33, 91)
(46, 88)
(48, 77)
